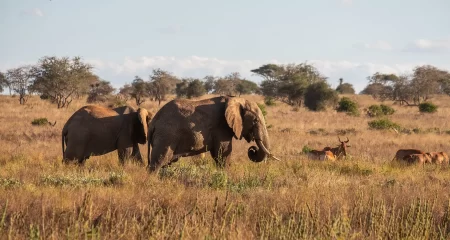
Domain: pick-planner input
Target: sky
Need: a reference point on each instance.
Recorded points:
(349, 39)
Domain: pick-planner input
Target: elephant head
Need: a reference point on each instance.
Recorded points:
(144, 118)
(247, 120)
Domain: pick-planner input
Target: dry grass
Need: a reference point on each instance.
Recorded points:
(363, 197)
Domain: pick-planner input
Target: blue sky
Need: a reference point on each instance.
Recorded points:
(342, 38)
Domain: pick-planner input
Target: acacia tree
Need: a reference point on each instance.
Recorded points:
(209, 84)
(125, 92)
(19, 80)
(287, 83)
(195, 88)
(319, 95)
(3, 82)
(181, 88)
(60, 79)
(411, 90)
(426, 81)
(246, 87)
(161, 83)
(190, 87)
(100, 91)
(139, 90)
(345, 88)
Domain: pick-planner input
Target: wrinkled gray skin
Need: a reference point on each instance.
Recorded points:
(186, 128)
(95, 130)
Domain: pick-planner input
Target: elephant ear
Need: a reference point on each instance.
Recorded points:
(144, 117)
(233, 115)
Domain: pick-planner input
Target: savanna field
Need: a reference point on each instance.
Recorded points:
(365, 196)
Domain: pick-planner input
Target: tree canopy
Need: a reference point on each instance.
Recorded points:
(61, 79)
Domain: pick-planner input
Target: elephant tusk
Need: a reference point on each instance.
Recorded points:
(261, 144)
(272, 156)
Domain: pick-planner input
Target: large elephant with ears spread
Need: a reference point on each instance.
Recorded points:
(186, 128)
(95, 130)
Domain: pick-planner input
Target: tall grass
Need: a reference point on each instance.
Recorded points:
(365, 196)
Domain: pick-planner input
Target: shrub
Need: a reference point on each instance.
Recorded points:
(383, 124)
(345, 88)
(427, 107)
(319, 95)
(380, 110)
(116, 102)
(375, 111)
(387, 110)
(349, 106)
(40, 122)
(306, 149)
(269, 101)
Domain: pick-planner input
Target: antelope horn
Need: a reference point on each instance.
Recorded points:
(347, 140)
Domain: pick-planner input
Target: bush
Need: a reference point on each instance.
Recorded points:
(427, 107)
(319, 95)
(116, 102)
(375, 111)
(380, 110)
(269, 101)
(349, 106)
(306, 149)
(387, 110)
(383, 124)
(41, 122)
(345, 88)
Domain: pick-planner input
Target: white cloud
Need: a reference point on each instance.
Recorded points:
(34, 12)
(429, 45)
(378, 45)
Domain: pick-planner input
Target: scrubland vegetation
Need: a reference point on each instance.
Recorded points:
(365, 196)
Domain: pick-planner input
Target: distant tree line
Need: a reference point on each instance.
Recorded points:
(410, 90)
(60, 80)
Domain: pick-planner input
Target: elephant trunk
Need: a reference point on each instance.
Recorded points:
(260, 153)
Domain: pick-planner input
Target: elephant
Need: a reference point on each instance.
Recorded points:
(184, 128)
(94, 130)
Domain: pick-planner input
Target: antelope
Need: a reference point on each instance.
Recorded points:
(321, 155)
(420, 158)
(401, 153)
(340, 150)
(438, 157)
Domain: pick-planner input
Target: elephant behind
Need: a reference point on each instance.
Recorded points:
(95, 130)
(185, 128)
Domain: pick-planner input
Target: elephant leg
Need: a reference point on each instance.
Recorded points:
(220, 152)
(82, 160)
(123, 153)
(75, 151)
(160, 154)
(136, 154)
